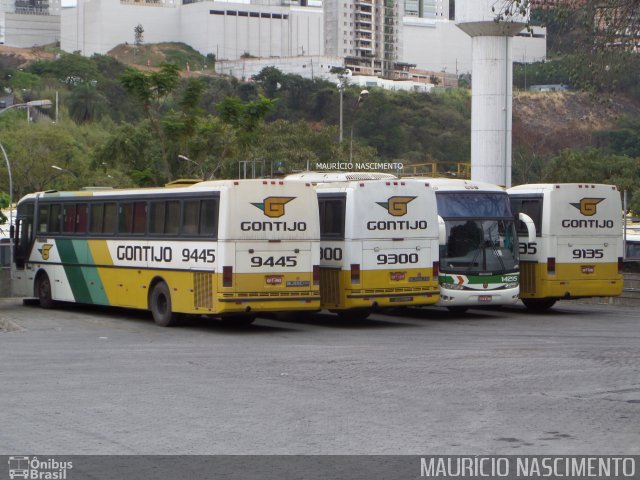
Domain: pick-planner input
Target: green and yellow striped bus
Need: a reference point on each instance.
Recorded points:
(222, 248)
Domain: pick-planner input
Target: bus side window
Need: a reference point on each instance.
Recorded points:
(43, 219)
(157, 212)
(132, 218)
(110, 218)
(139, 217)
(97, 213)
(54, 218)
(69, 221)
(172, 218)
(209, 218)
(81, 218)
(190, 217)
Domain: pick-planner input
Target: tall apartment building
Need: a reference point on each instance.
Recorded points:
(27, 23)
(435, 9)
(367, 33)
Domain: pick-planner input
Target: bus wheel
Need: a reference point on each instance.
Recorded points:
(43, 291)
(458, 310)
(355, 315)
(538, 304)
(160, 305)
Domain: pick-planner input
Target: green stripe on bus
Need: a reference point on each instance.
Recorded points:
(73, 252)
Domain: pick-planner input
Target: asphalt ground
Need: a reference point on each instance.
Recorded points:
(84, 380)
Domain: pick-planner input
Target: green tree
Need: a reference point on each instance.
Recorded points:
(4, 203)
(86, 103)
(151, 90)
(593, 166)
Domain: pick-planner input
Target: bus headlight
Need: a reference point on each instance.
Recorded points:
(451, 286)
(511, 285)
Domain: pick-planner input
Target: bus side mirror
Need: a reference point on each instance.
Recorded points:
(531, 227)
(12, 231)
(442, 231)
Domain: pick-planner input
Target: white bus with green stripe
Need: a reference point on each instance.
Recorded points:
(479, 263)
(221, 248)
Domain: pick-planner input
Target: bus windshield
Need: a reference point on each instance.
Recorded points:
(479, 246)
(481, 236)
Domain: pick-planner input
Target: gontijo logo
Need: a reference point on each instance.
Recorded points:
(273, 207)
(396, 206)
(587, 206)
(44, 251)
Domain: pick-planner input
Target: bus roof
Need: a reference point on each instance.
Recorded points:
(323, 177)
(354, 184)
(457, 184)
(210, 185)
(548, 187)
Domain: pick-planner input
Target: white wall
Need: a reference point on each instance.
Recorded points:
(96, 26)
(438, 46)
(26, 31)
(307, 67)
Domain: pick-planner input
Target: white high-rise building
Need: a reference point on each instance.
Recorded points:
(367, 33)
(29, 23)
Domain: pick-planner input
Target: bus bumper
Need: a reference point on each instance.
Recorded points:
(477, 298)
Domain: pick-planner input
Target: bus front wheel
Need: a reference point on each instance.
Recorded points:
(538, 304)
(160, 305)
(43, 291)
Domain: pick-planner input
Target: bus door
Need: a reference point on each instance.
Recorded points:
(23, 235)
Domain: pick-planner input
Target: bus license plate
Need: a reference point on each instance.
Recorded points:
(484, 298)
(588, 269)
(400, 299)
(273, 279)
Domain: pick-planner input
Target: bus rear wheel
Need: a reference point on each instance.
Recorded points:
(160, 305)
(43, 291)
(538, 304)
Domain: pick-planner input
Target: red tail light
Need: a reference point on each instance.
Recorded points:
(355, 273)
(316, 274)
(551, 265)
(227, 276)
(620, 265)
(436, 269)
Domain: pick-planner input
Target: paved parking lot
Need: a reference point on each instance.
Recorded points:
(81, 380)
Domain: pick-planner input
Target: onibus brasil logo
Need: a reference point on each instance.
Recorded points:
(36, 469)
(273, 207)
(396, 206)
(587, 206)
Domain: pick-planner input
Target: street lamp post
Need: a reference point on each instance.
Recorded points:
(363, 95)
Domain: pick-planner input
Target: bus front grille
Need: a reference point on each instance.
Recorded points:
(330, 285)
(203, 290)
(528, 277)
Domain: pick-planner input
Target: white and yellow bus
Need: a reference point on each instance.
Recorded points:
(479, 264)
(221, 248)
(578, 249)
(379, 242)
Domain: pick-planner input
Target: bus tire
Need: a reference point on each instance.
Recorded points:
(160, 306)
(458, 310)
(354, 315)
(43, 291)
(538, 304)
